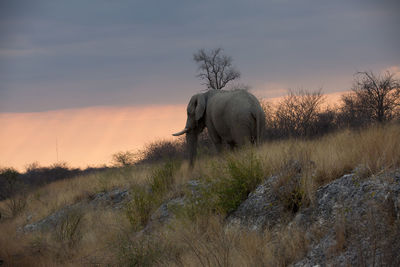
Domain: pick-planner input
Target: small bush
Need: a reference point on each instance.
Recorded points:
(293, 199)
(68, 230)
(124, 158)
(162, 179)
(138, 210)
(162, 150)
(13, 190)
(232, 182)
(9, 182)
(16, 204)
(147, 250)
(36, 175)
(147, 199)
(289, 187)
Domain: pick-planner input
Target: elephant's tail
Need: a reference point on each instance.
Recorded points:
(260, 128)
(260, 124)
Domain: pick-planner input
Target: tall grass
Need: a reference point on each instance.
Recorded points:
(103, 236)
(147, 198)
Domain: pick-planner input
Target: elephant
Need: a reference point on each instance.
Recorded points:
(234, 117)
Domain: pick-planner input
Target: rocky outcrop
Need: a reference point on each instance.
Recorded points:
(262, 208)
(362, 218)
(358, 219)
(351, 221)
(165, 213)
(114, 199)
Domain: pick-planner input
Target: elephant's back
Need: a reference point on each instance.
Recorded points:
(237, 102)
(232, 109)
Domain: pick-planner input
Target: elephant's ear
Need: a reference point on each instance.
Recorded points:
(200, 107)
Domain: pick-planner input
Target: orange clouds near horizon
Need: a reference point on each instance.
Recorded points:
(330, 99)
(88, 136)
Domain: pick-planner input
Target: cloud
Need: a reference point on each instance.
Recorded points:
(139, 52)
(270, 90)
(87, 136)
(395, 70)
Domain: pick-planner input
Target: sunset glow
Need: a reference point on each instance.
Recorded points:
(81, 81)
(83, 137)
(88, 136)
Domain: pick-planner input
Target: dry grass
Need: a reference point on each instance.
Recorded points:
(104, 237)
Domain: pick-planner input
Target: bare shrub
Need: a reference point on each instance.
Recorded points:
(327, 121)
(9, 182)
(296, 115)
(123, 158)
(16, 204)
(68, 230)
(13, 190)
(293, 188)
(161, 150)
(270, 125)
(37, 175)
(374, 98)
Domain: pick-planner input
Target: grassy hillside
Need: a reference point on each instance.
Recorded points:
(196, 236)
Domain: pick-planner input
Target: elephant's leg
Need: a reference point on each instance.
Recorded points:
(241, 136)
(216, 139)
(218, 147)
(232, 145)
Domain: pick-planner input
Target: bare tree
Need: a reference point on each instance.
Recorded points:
(124, 158)
(215, 68)
(352, 111)
(373, 96)
(297, 114)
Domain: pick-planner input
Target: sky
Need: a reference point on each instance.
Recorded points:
(78, 61)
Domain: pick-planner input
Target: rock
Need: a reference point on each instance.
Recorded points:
(261, 209)
(362, 209)
(114, 199)
(165, 212)
(29, 217)
(49, 222)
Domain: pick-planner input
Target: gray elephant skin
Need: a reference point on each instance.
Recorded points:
(234, 117)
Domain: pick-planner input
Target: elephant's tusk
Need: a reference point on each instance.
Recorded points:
(181, 132)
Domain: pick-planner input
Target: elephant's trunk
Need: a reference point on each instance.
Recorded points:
(191, 140)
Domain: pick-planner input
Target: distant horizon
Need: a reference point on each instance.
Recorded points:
(89, 136)
(91, 73)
